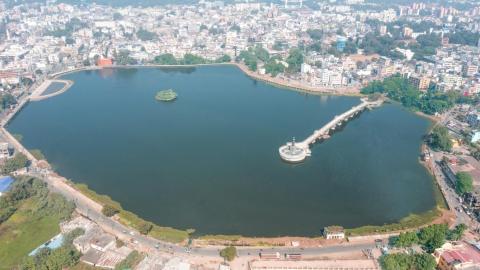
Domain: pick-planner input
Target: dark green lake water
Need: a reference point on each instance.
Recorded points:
(210, 161)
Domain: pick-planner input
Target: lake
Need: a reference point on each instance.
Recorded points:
(209, 160)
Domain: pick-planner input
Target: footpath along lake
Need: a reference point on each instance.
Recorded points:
(209, 160)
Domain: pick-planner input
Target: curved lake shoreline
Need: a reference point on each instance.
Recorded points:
(354, 92)
(263, 87)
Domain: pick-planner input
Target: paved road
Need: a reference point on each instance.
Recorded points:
(449, 193)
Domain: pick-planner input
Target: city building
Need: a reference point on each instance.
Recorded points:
(334, 232)
(421, 83)
(5, 183)
(461, 256)
(4, 150)
(341, 43)
(407, 32)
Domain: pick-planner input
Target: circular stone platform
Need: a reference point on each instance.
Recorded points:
(291, 152)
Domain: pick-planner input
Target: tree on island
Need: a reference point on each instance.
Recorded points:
(464, 183)
(228, 253)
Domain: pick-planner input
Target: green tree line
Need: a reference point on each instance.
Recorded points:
(399, 89)
(188, 59)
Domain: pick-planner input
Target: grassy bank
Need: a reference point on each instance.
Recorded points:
(411, 221)
(220, 237)
(23, 232)
(35, 220)
(130, 219)
(176, 236)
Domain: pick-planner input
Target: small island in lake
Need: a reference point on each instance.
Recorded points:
(166, 95)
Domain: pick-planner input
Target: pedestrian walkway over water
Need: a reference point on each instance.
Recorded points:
(298, 151)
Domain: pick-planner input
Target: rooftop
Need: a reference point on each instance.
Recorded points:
(5, 183)
(460, 254)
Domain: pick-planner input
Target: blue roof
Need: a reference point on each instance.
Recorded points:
(5, 183)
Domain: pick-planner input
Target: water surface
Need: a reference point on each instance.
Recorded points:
(209, 160)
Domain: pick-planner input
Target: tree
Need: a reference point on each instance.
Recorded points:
(123, 58)
(145, 227)
(190, 59)
(249, 59)
(398, 261)
(350, 47)
(464, 37)
(423, 261)
(145, 35)
(262, 54)
(117, 16)
(457, 233)
(37, 154)
(6, 100)
(17, 162)
(440, 139)
(278, 45)
(274, 67)
(402, 261)
(223, 59)
(228, 253)
(110, 210)
(295, 60)
(69, 41)
(433, 236)
(406, 239)
(315, 34)
(165, 59)
(130, 261)
(235, 28)
(464, 183)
